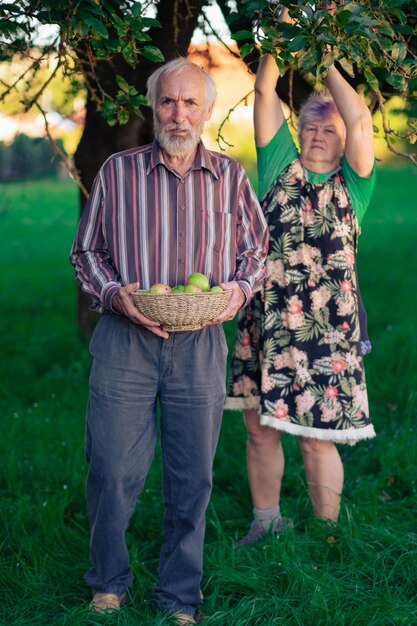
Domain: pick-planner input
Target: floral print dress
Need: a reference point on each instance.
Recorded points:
(298, 355)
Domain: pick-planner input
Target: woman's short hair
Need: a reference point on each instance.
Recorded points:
(317, 107)
(176, 66)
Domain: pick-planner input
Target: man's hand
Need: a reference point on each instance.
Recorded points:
(123, 303)
(237, 300)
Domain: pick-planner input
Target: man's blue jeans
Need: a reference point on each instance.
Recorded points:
(131, 369)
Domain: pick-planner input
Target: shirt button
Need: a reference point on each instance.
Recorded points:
(182, 207)
(181, 260)
(182, 181)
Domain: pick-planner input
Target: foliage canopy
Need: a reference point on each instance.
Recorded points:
(374, 42)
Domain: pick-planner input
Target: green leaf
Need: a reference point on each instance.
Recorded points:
(101, 53)
(256, 5)
(120, 98)
(137, 9)
(79, 27)
(343, 17)
(353, 7)
(242, 34)
(137, 111)
(139, 34)
(347, 66)
(138, 101)
(288, 30)
(246, 49)
(108, 108)
(123, 84)
(316, 51)
(149, 22)
(371, 79)
(327, 60)
(404, 29)
(93, 7)
(123, 116)
(327, 37)
(10, 7)
(113, 45)
(152, 53)
(266, 46)
(129, 54)
(298, 43)
(355, 53)
(399, 52)
(371, 56)
(307, 9)
(387, 30)
(97, 26)
(397, 81)
(306, 61)
(396, 3)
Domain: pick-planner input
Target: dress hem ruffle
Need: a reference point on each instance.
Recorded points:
(348, 436)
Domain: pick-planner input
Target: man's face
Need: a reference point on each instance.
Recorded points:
(180, 112)
(322, 141)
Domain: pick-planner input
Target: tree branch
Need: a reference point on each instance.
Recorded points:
(34, 99)
(207, 21)
(388, 132)
(220, 137)
(72, 170)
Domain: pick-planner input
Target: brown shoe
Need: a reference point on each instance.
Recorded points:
(184, 618)
(107, 602)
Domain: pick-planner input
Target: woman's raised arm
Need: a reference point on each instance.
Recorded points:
(268, 113)
(359, 149)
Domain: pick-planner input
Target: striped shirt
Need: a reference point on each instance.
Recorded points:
(145, 223)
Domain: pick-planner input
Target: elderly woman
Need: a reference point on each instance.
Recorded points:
(298, 357)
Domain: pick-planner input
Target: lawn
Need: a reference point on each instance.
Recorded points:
(366, 577)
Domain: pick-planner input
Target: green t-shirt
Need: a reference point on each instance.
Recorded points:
(281, 150)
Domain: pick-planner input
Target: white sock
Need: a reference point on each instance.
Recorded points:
(267, 517)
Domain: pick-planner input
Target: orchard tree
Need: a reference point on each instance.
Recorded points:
(111, 46)
(373, 43)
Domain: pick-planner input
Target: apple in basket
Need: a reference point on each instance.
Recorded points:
(160, 288)
(199, 280)
(216, 289)
(192, 289)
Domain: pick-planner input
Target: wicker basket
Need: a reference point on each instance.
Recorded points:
(181, 311)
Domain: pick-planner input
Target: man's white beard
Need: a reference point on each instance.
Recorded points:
(177, 146)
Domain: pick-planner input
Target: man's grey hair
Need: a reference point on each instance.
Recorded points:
(176, 66)
(317, 107)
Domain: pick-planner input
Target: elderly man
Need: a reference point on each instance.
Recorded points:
(156, 214)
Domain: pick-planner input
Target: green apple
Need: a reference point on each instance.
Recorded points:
(160, 288)
(216, 289)
(192, 289)
(200, 280)
(178, 289)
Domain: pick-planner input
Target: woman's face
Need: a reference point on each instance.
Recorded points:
(322, 143)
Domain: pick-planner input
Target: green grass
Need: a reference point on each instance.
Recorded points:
(367, 577)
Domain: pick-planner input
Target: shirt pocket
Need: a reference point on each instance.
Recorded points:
(218, 231)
